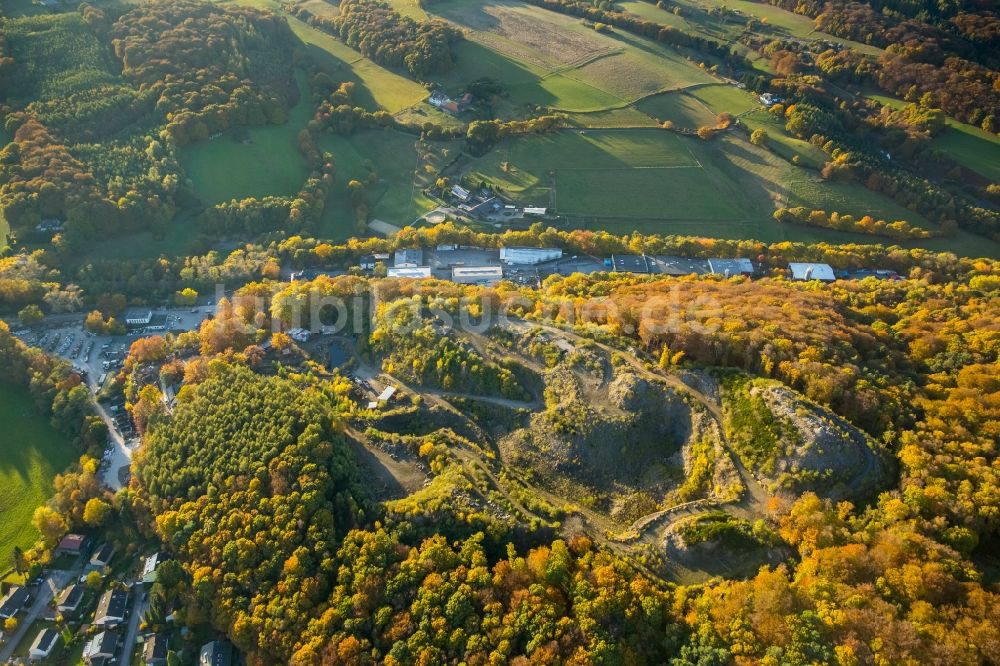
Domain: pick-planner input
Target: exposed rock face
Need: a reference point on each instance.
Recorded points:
(615, 438)
(821, 451)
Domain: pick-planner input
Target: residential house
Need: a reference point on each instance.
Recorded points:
(112, 608)
(154, 650)
(102, 556)
(71, 544)
(17, 600)
(149, 568)
(100, 650)
(216, 653)
(69, 600)
(45, 643)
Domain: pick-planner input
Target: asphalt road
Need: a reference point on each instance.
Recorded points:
(138, 610)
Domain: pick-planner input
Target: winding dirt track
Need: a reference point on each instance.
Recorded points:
(649, 530)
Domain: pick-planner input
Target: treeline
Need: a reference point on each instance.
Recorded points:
(226, 65)
(306, 252)
(57, 390)
(954, 59)
(156, 76)
(898, 230)
(385, 36)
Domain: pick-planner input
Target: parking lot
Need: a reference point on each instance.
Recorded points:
(98, 358)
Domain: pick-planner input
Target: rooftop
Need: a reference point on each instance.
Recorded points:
(45, 640)
(811, 271)
(111, 607)
(103, 643)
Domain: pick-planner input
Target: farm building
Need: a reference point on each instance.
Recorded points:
(415, 272)
(810, 271)
(537, 211)
(460, 193)
(44, 644)
(101, 648)
(482, 275)
(730, 267)
(529, 256)
(408, 258)
(454, 106)
(438, 99)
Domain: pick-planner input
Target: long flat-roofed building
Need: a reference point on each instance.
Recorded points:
(409, 272)
(484, 275)
(811, 271)
(529, 256)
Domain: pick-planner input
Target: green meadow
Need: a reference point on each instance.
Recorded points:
(246, 162)
(31, 454)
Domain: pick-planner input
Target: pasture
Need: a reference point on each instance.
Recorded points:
(970, 146)
(251, 162)
(395, 166)
(549, 59)
(656, 180)
(31, 454)
(681, 108)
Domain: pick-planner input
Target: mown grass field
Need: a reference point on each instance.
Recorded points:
(972, 148)
(31, 454)
(549, 59)
(662, 182)
(251, 162)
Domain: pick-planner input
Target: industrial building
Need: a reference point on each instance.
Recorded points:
(482, 275)
(529, 256)
(415, 272)
(408, 258)
(811, 271)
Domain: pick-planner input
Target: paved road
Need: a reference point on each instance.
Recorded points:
(139, 607)
(54, 582)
